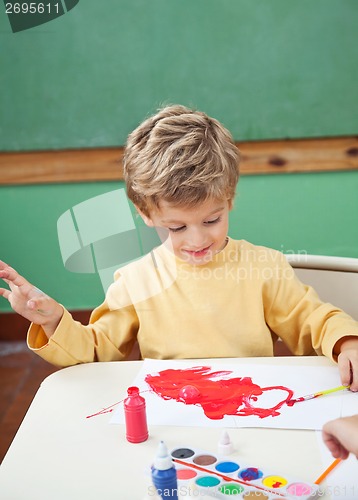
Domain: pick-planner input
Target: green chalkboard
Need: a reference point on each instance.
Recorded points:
(266, 68)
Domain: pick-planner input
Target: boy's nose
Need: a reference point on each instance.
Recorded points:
(196, 239)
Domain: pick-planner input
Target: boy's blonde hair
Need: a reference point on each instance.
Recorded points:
(181, 156)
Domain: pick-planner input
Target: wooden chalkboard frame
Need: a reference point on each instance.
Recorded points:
(105, 164)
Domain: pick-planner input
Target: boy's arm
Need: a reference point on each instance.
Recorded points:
(110, 336)
(29, 301)
(296, 314)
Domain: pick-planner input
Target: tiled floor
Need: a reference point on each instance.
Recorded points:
(21, 374)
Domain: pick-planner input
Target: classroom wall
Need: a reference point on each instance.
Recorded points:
(267, 70)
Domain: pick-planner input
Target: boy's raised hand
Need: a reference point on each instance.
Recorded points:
(29, 301)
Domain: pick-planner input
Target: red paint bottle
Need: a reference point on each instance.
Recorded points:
(135, 415)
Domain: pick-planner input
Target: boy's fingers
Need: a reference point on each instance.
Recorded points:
(344, 367)
(354, 380)
(12, 276)
(3, 265)
(11, 285)
(15, 281)
(4, 292)
(348, 368)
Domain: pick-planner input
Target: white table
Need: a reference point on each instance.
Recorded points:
(59, 454)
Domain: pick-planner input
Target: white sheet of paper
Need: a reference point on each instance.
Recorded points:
(302, 380)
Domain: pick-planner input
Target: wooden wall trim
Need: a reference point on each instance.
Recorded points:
(13, 327)
(105, 164)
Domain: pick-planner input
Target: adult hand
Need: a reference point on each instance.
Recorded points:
(341, 436)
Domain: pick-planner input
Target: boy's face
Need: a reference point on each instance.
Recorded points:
(196, 234)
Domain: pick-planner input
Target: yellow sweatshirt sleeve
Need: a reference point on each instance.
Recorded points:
(109, 336)
(307, 325)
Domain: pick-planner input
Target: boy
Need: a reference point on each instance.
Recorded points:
(200, 294)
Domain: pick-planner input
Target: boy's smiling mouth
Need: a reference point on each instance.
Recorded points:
(198, 253)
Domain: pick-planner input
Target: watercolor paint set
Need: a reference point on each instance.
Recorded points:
(223, 477)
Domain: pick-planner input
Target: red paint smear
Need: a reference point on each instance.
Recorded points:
(217, 396)
(104, 410)
(250, 474)
(294, 401)
(109, 409)
(277, 485)
(299, 400)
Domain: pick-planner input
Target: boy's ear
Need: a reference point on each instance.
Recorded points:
(147, 220)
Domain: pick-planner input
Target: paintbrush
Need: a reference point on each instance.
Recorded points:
(328, 470)
(291, 402)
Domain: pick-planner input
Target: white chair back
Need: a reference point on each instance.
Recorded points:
(335, 279)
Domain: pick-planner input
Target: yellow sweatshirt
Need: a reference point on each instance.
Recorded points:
(235, 306)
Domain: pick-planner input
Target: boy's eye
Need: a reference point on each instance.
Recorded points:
(213, 221)
(181, 228)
